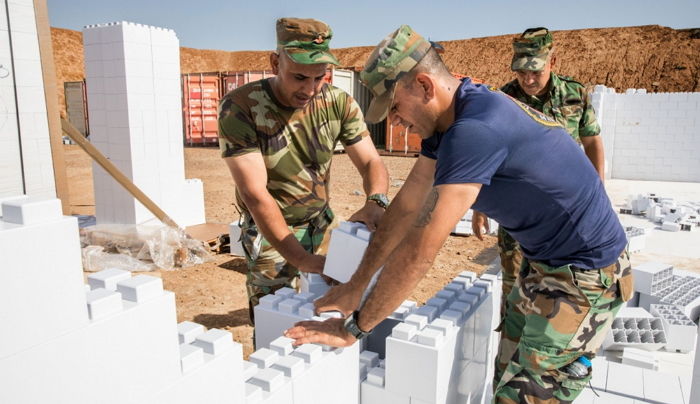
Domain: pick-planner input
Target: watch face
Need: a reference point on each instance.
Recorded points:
(380, 199)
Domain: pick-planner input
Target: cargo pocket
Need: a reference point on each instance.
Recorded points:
(626, 286)
(571, 387)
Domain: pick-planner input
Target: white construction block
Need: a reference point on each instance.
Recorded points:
(32, 210)
(215, 341)
(217, 380)
(313, 283)
(190, 357)
(107, 278)
(274, 315)
(188, 331)
(234, 231)
(263, 357)
(373, 394)
(369, 358)
(136, 347)
(103, 302)
(404, 331)
(345, 252)
(291, 366)
(651, 277)
(681, 332)
(431, 379)
(639, 358)
(40, 285)
(282, 345)
(140, 288)
(642, 333)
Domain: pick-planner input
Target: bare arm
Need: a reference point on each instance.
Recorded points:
(375, 179)
(593, 147)
(395, 223)
(404, 268)
(250, 176)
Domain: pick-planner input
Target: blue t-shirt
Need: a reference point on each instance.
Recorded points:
(536, 181)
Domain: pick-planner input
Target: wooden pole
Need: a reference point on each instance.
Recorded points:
(48, 70)
(112, 170)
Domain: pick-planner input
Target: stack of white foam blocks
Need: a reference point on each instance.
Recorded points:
(442, 352)
(464, 226)
(656, 283)
(670, 215)
(114, 340)
(133, 86)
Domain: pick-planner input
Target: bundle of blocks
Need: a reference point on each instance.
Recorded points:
(464, 226)
(668, 305)
(116, 338)
(666, 212)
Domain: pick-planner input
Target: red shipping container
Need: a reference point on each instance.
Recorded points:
(201, 95)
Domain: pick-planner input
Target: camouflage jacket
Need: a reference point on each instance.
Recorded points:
(566, 102)
(296, 144)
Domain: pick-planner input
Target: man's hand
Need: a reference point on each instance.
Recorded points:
(370, 214)
(344, 298)
(312, 263)
(479, 223)
(331, 332)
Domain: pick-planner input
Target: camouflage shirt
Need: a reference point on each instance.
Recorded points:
(296, 144)
(566, 101)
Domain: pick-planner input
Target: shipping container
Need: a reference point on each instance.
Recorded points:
(76, 105)
(233, 80)
(363, 97)
(201, 95)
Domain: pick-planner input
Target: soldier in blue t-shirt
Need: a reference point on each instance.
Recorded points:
(481, 147)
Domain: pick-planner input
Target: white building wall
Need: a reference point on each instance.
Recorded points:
(23, 106)
(650, 136)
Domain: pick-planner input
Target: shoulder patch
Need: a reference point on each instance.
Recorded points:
(536, 115)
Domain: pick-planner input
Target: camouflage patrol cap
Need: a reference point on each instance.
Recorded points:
(532, 49)
(395, 56)
(305, 40)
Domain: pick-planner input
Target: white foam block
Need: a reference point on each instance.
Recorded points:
(107, 278)
(136, 347)
(345, 252)
(218, 380)
(46, 285)
(31, 210)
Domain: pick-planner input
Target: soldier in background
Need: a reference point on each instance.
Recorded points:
(277, 136)
(559, 97)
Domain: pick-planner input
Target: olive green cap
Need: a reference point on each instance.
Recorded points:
(532, 49)
(395, 56)
(305, 40)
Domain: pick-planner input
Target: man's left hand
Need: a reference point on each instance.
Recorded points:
(370, 214)
(331, 332)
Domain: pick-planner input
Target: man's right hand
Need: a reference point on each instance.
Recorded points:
(479, 223)
(344, 298)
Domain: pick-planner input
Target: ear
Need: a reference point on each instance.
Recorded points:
(552, 60)
(275, 63)
(427, 85)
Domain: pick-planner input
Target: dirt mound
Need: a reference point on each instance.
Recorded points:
(657, 58)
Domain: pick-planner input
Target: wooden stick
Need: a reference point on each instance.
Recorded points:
(112, 170)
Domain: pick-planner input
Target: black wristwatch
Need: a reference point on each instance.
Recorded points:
(379, 199)
(352, 327)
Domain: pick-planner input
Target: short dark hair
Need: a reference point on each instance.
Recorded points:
(431, 63)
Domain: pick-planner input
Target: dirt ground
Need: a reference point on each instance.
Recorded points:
(213, 294)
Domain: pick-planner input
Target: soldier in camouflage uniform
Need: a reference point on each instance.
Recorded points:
(560, 97)
(277, 137)
(485, 150)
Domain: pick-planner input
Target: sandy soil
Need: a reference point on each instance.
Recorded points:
(652, 57)
(213, 294)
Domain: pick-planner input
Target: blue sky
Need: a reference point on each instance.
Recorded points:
(249, 25)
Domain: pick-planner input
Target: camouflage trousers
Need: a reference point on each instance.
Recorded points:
(555, 315)
(268, 271)
(511, 258)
